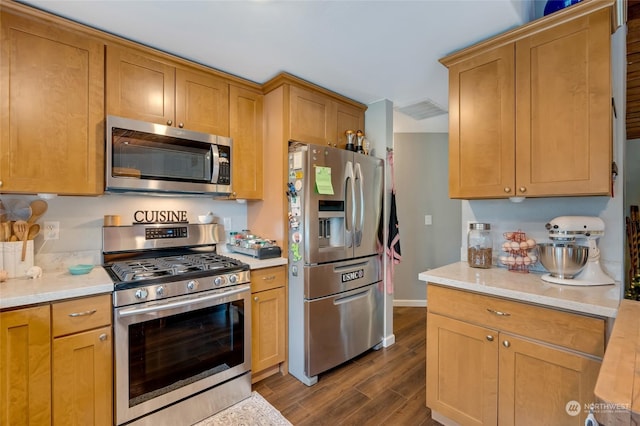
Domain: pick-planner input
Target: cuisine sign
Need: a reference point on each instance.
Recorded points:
(160, 216)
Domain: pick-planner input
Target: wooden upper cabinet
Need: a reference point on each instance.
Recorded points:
(348, 117)
(202, 102)
(310, 116)
(482, 125)
(563, 114)
(245, 122)
(51, 108)
(151, 88)
(317, 118)
(139, 87)
(530, 110)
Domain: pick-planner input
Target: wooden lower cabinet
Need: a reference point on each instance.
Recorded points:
(82, 378)
(56, 364)
(25, 366)
(480, 375)
(268, 322)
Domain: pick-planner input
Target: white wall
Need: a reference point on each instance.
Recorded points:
(81, 221)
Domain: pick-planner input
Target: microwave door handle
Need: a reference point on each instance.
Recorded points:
(359, 210)
(215, 163)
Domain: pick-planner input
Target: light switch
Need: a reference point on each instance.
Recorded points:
(428, 219)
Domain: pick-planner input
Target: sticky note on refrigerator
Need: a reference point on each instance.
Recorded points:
(323, 180)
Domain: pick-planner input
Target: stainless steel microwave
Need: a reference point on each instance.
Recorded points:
(152, 158)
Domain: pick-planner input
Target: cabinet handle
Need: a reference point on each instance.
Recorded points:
(169, 122)
(1, 183)
(102, 337)
(499, 313)
(489, 337)
(255, 298)
(181, 125)
(82, 314)
(506, 343)
(523, 189)
(269, 278)
(507, 189)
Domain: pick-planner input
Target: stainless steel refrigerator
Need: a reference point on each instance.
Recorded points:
(335, 291)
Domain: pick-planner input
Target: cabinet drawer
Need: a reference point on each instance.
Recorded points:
(81, 314)
(267, 278)
(574, 331)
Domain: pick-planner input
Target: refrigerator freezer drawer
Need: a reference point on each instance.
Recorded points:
(341, 326)
(336, 277)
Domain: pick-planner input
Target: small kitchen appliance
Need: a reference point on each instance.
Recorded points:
(569, 230)
(182, 323)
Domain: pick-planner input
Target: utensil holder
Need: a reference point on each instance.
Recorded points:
(12, 258)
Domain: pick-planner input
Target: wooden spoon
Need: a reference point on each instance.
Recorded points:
(21, 231)
(33, 231)
(38, 208)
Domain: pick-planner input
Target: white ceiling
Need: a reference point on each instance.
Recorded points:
(365, 50)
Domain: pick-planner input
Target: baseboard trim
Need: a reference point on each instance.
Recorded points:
(410, 303)
(388, 341)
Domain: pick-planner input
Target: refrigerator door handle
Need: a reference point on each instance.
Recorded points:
(349, 204)
(359, 210)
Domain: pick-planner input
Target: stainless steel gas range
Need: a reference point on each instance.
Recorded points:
(182, 323)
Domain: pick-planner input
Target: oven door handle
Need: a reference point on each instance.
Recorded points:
(181, 303)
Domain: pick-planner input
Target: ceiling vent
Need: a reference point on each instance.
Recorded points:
(421, 110)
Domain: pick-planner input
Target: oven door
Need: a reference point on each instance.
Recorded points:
(168, 350)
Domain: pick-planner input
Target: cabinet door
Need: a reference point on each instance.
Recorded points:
(139, 87)
(563, 89)
(462, 371)
(539, 384)
(52, 109)
(25, 367)
(348, 118)
(245, 121)
(482, 125)
(82, 378)
(202, 102)
(312, 117)
(267, 329)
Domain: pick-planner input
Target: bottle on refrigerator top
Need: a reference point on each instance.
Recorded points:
(479, 245)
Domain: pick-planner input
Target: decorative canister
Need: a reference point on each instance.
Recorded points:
(12, 258)
(479, 245)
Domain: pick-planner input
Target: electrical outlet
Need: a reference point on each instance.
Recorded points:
(51, 230)
(428, 219)
(227, 223)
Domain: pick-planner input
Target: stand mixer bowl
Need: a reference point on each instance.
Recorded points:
(563, 260)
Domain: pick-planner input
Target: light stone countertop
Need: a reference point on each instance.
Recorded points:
(53, 286)
(59, 285)
(593, 300)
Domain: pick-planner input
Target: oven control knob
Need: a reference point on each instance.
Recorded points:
(191, 285)
(160, 291)
(218, 281)
(233, 279)
(142, 293)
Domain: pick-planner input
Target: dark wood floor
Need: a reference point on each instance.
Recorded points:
(384, 387)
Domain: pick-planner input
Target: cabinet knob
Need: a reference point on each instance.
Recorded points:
(103, 337)
(506, 343)
(523, 189)
(507, 189)
(490, 338)
(256, 298)
(181, 125)
(169, 122)
(0, 183)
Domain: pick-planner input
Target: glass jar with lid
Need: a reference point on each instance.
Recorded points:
(479, 245)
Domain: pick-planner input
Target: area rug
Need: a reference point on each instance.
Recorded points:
(253, 411)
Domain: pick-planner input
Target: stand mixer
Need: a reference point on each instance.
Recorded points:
(570, 229)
